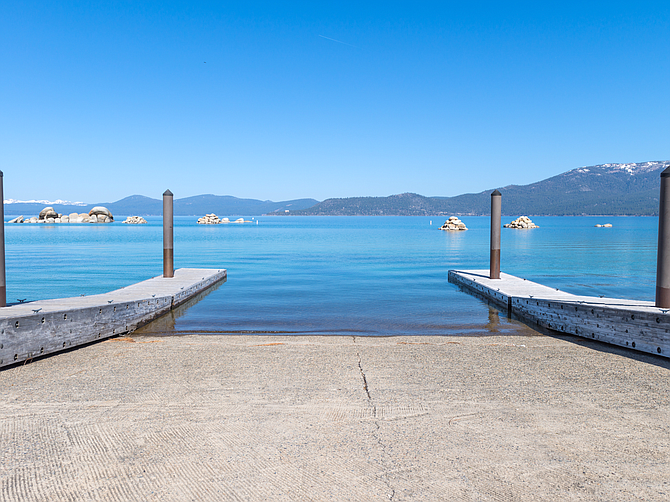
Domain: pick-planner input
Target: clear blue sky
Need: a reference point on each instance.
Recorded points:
(283, 100)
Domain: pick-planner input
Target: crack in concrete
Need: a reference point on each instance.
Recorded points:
(365, 380)
(385, 476)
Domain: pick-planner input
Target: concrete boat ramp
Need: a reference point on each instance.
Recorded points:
(628, 323)
(43, 327)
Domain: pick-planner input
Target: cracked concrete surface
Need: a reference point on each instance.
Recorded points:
(385, 457)
(518, 417)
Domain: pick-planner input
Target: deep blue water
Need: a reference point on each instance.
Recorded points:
(353, 275)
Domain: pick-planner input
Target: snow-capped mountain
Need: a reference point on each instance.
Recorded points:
(45, 202)
(605, 189)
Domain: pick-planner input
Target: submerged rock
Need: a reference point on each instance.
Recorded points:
(453, 223)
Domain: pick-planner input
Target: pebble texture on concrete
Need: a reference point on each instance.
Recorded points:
(521, 417)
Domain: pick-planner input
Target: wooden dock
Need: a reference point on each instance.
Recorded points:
(43, 327)
(627, 323)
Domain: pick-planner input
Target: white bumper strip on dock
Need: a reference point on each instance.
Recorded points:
(42, 327)
(627, 323)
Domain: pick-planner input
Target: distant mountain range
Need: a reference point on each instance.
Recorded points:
(139, 205)
(605, 189)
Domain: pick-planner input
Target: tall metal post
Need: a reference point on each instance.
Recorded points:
(496, 200)
(663, 258)
(168, 235)
(3, 284)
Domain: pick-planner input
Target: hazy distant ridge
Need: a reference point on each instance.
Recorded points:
(605, 189)
(199, 205)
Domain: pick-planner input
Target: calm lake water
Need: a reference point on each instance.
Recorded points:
(334, 275)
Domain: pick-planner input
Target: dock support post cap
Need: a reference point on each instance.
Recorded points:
(167, 193)
(496, 193)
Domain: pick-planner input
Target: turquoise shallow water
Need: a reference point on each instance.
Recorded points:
(335, 275)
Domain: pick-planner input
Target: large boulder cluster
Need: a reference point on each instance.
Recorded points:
(98, 214)
(521, 222)
(135, 220)
(453, 223)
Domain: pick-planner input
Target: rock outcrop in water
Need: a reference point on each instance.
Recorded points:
(46, 213)
(102, 214)
(98, 214)
(453, 223)
(135, 220)
(521, 222)
(212, 219)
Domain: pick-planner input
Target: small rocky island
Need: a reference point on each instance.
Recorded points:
(453, 223)
(606, 225)
(135, 220)
(521, 222)
(98, 214)
(212, 219)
